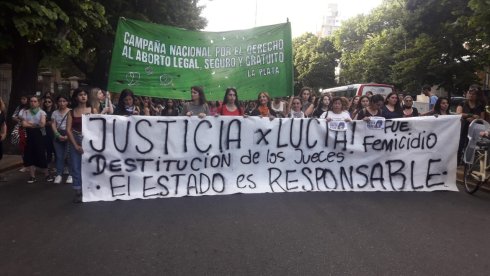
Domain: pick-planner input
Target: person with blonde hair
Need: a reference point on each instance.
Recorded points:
(263, 107)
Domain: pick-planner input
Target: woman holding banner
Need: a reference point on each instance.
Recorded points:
(280, 107)
(170, 108)
(126, 104)
(338, 112)
(263, 107)
(408, 109)
(81, 107)
(363, 103)
(354, 104)
(442, 107)
(323, 106)
(197, 106)
(376, 102)
(392, 108)
(230, 106)
(296, 111)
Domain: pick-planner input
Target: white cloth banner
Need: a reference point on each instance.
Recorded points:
(157, 157)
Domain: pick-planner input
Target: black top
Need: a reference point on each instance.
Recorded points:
(415, 113)
(477, 110)
(174, 112)
(364, 113)
(318, 112)
(391, 114)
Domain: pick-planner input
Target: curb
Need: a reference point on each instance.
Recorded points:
(11, 167)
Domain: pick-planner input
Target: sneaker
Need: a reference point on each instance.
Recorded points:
(49, 178)
(57, 179)
(31, 180)
(69, 180)
(65, 171)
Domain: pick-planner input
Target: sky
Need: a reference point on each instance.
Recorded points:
(304, 15)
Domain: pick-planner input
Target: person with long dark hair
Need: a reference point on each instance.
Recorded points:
(471, 109)
(126, 105)
(197, 106)
(58, 126)
(322, 106)
(443, 106)
(231, 105)
(81, 106)
(363, 103)
(376, 102)
(392, 108)
(170, 108)
(354, 104)
(34, 121)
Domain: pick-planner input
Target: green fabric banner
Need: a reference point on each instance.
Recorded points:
(162, 61)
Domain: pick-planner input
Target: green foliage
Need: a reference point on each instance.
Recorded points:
(479, 45)
(413, 42)
(57, 25)
(314, 61)
(95, 57)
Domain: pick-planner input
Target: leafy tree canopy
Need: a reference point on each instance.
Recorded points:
(314, 61)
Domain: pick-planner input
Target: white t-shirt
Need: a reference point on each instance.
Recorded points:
(280, 108)
(293, 114)
(35, 119)
(344, 115)
(60, 119)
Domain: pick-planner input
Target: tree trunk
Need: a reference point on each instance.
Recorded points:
(25, 61)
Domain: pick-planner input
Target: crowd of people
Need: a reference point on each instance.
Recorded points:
(57, 120)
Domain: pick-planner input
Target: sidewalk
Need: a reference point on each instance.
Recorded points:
(10, 162)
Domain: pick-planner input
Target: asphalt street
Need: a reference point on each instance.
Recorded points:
(324, 233)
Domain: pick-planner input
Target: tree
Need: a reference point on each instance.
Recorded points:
(94, 60)
(438, 24)
(368, 44)
(314, 61)
(412, 42)
(479, 45)
(32, 29)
